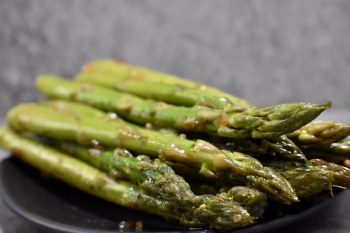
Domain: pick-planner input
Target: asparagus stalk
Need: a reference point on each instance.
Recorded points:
(307, 178)
(158, 179)
(154, 177)
(79, 175)
(310, 174)
(181, 95)
(252, 200)
(336, 152)
(212, 162)
(76, 109)
(321, 132)
(114, 74)
(341, 173)
(286, 148)
(280, 147)
(129, 78)
(209, 211)
(116, 71)
(259, 122)
(176, 94)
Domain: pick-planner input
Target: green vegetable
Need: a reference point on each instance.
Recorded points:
(336, 152)
(211, 161)
(313, 176)
(209, 211)
(176, 94)
(116, 71)
(341, 173)
(280, 147)
(154, 177)
(307, 179)
(81, 176)
(321, 132)
(157, 178)
(257, 122)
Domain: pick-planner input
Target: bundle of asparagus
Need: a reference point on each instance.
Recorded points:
(142, 139)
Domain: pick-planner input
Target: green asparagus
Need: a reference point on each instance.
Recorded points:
(176, 94)
(280, 147)
(129, 78)
(259, 122)
(209, 211)
(81, 176)
(313, 176)
(154, 177)
(336, 152)
(211, 161)
(157, 178)
(86, 143)
(126, 72)
(251, 199)
(321, 132)
(341, 173)
(181, 95)
(76, 109)
(307, 179)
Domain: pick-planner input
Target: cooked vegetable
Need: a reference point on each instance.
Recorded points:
(307, 179)
(121, 71)
(321, 132)
(157, 178)
(313, 176)
(255, 122)
(218, 212)
(336, 152)
(280, 147)
(236, 167)
(203, 157)
(177, 94)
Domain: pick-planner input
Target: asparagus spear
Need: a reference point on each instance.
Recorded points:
(307, 178)
(259, 122)
(341, 173)
(111, 73)
(181, 95)
(211, 161)
(312, 175)
(251, 199)
(133, 79)
(158, 179)
(281, 146)
(176, 94)
(336, 152)
(117, 71)
(209, 211)
(286, 148)
(79, 175)
(76, 109)
(321, 132)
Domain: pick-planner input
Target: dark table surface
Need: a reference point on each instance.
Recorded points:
(332, 218)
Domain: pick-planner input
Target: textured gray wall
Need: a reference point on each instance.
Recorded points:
(268, 51)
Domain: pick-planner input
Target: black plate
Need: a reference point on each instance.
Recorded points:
(57, 207)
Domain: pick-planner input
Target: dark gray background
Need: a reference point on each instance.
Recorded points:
(268, 52)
